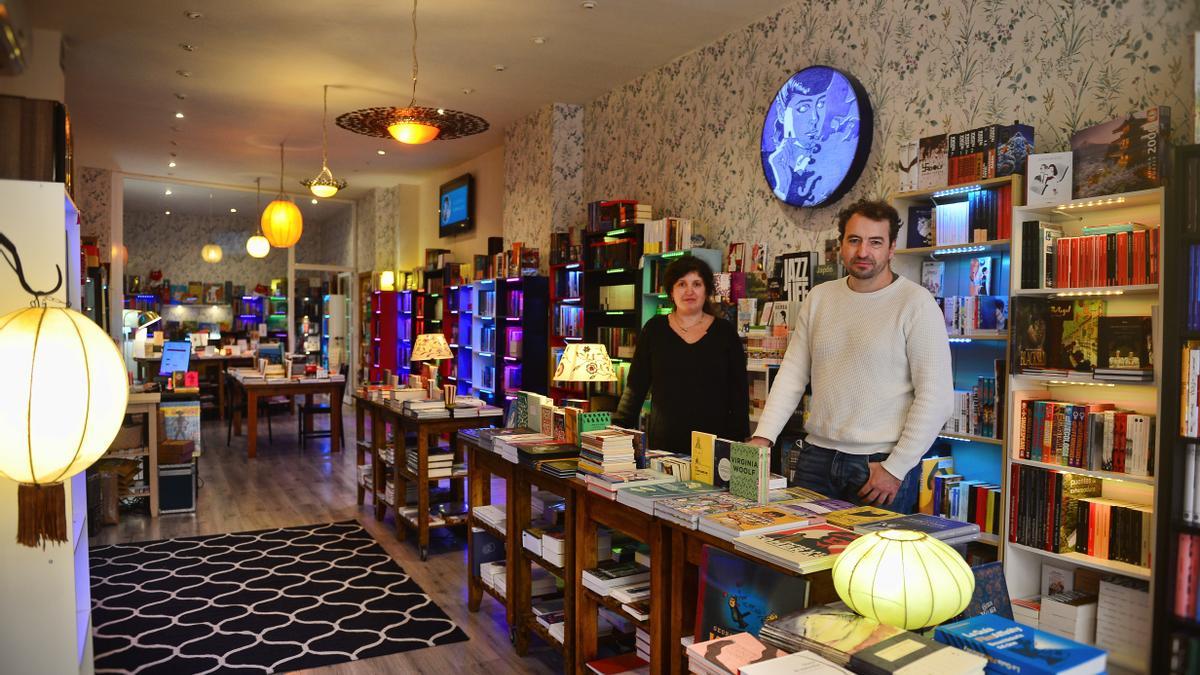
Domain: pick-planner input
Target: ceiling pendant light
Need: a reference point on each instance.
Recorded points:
(413, 124)
(281, 221)
(211, 253)
(324, 185)
(257, 245)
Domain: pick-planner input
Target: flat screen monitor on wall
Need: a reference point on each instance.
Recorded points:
(456, 206)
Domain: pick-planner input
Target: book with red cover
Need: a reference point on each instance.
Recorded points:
(616, 665)
(732, 652)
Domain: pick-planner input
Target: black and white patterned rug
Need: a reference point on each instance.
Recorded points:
(258, 602)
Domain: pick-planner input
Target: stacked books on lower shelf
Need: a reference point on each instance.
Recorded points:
(492, 515)
(440, 464)
(551, 615)
(612, 574)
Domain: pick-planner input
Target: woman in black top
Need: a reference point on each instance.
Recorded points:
(692, 364)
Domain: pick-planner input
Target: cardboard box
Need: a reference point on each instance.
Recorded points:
(175, 452)
(132, 434)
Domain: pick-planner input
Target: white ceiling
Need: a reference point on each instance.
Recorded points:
(149, 196)
(258, 67)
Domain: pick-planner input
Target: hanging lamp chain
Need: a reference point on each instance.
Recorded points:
(281, 170)
(325, 131)
(414, 55)
(258, 204)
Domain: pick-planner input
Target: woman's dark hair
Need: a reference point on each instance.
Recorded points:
(684, 265)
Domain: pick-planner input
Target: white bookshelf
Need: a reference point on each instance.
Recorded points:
(1022, 563)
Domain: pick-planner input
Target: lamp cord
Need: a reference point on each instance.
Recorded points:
(281, 169)
(325, 131)
(414, 55)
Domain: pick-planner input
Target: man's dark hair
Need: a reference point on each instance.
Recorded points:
(685, 265)
(873, 209)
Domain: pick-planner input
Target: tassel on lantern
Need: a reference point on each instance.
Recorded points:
(41, 514)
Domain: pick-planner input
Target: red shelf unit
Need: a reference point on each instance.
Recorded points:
(566, 323)
(383, 334)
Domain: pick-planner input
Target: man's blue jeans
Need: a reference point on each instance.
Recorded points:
(840, 475)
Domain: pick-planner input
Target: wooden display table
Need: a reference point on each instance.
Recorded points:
(686, 550)
(594, 511)
(218, 363)
(253, 390)
(482, 466)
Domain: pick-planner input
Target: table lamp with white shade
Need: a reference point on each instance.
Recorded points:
(431, 347)
(584, 362)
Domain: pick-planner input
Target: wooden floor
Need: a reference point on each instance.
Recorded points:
(286, 485)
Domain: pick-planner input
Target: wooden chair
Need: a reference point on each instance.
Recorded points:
(311, 408)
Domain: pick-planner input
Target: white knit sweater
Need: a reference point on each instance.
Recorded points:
(880, 369)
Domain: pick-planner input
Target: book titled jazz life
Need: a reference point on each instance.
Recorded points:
(1011, 647)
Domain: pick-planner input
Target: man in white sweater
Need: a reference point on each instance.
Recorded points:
(874, 347)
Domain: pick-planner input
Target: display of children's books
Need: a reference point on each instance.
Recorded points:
(1125, 154)
(1049, 179)
(980, 278)
(933, 276)
(738, 595)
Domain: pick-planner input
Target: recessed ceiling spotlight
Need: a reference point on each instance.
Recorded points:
(168, 192)
(166, 213)
(170, 165)
(174, 128)
(175, 143)
(587, 4)
(232, 210)
(187, 47)
(193, 14)
(441, 111)
(314, 201)
(381, 152)
(183, 73)
(180, 95)
(539, 40)
(499, 67)
(178, 115)
(173, 154)
(468, 90)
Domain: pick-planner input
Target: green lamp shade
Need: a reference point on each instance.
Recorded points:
(903, 578)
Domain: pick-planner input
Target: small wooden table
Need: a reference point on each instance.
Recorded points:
(594, 511)
(220, 363)
(686, 551)
(252, 391)
(145, 404)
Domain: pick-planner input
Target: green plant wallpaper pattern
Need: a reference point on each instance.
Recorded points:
(685, 137)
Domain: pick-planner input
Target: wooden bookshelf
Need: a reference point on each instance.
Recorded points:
(1183, 233)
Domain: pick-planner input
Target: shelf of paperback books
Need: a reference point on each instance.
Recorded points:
(1091, 291)
(1106, 475)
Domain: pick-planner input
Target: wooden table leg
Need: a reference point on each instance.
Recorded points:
(251, 422)
(422, 493)
(152, 430)
(519, 580)
(585, 557)
(221, 390)
(569, 599)
(378, 475)
(678, 615)
(477, 478)
(237, 416)
(360, 432)
(660, 557)
(399, 458)
(335, 420)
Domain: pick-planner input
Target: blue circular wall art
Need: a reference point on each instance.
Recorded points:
(816, 137)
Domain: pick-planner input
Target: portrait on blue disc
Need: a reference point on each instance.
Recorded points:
(816, 137)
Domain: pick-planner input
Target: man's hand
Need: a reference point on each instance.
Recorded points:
(881, 487)
(759, 441)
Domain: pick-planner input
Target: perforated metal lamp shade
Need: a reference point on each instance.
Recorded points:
(584, 362)
(62, 400)
(431, 347)
(903, 578)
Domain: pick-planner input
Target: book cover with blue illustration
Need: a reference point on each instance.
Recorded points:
(935, 526)
(1016, 649)
(991, 593)
(738, 595)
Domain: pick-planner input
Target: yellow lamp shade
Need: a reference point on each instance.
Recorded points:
(413, 133)
(258, 246)
(387, 280)
(63, 395)
(211, 253)
(431, 347)
(903, 578)
(282, 223)
(582, 362)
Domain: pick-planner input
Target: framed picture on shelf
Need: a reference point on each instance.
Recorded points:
(1049, 179)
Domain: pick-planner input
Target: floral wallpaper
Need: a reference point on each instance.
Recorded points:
(684, 138)
(336, 240)
(365, 234)
(172, 244)
(93, 197)
(566, 166)
(528, 205)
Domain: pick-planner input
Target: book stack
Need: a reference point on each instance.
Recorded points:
(619, 665)
(805, 549)
(492, 515)
(553, 546)
(642, 497)
(606, 451)
(816, 507)
(1013, 648)
(560, 468)
(440, 464)
(611, 573)
(952, 532)
(531, 455)
(631, 593)
(541, 582)
(427, 409)
(753, 521)
(804, 662)
(493, 575)
(608, 484)
(1027, 610)
(1124, 620)
(728, 654)
(866, 646)
(671, 464)
(687, 511)
(642, 643)
(506, 446)
(1071, 614)
(859, 515)
(549, 611)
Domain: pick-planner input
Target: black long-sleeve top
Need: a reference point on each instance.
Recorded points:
(693, 387)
